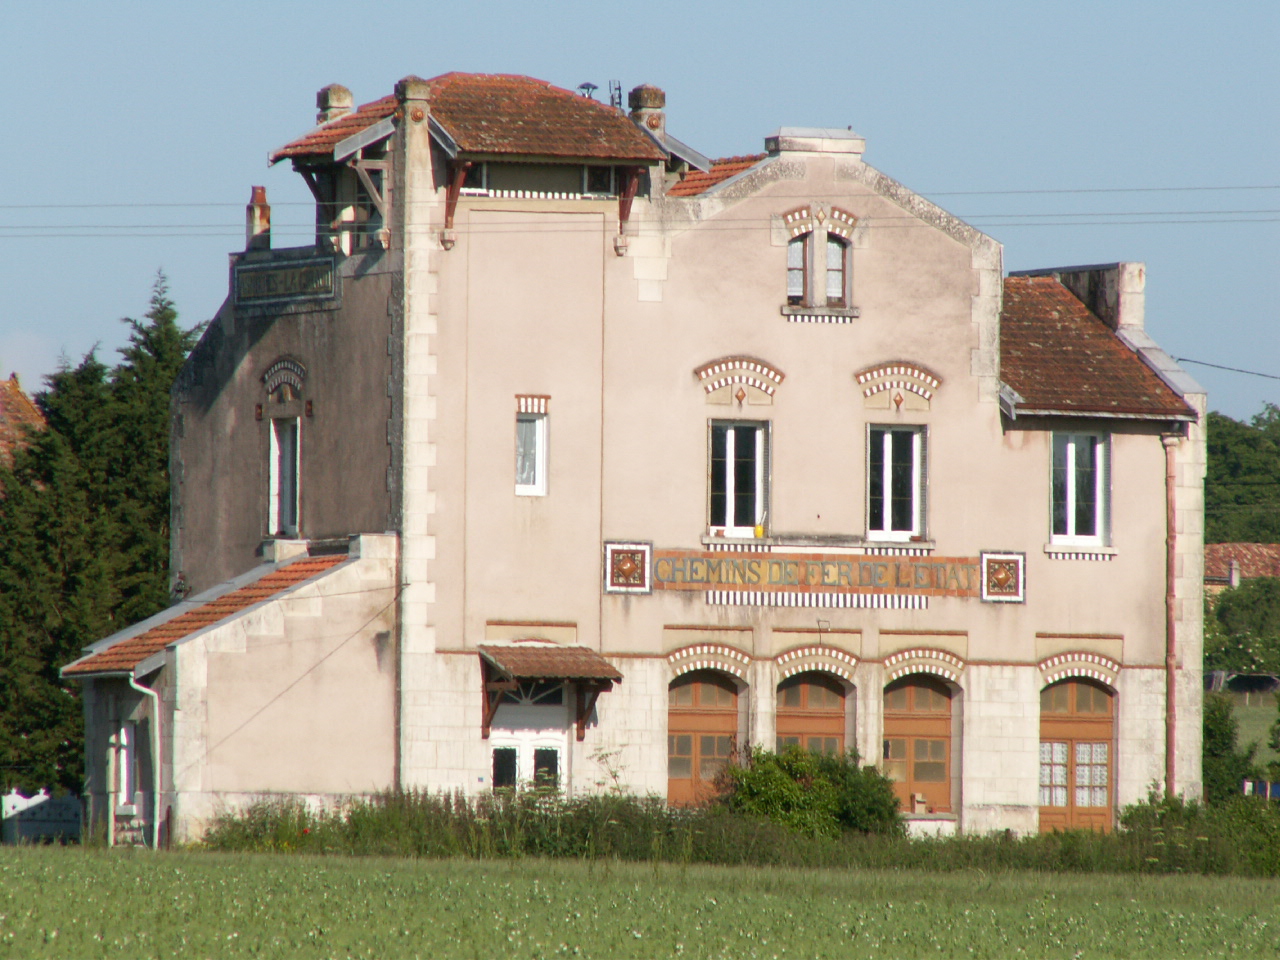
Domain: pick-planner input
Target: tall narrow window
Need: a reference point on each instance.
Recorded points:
(917, 743)
(126, 764)
(1077, 728)
(531, 454)
(284, 477)
(797, 270)
(1080, 488)
(895, 482)
(738, 478)
(837, 272)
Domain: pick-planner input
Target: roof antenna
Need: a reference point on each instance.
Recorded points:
(588, 90)
(615, 94)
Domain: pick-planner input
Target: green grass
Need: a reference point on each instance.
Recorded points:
(1255, 714)
(71, 902)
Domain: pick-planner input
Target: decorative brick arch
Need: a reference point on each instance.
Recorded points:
(708, 656)
(740, 372)
(799, 221)
(1079, 664)
(841, 223)
(898, 377)
(940, 663)
(284, 370)
(823, 659)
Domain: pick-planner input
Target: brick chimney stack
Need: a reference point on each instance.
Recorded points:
(257, 221)
(333, 101)
(647, 103)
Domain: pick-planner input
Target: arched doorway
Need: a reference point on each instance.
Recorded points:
(811, 713)
(917, 743)
(702, 734)
(1077, 732)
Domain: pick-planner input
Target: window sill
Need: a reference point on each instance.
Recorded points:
(817, 543)
(799, 313)
(1079, 551)
(126, 810)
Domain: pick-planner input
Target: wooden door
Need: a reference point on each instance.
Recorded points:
(811, 713)
(1077, 735)
(917, 743)
(702, 734)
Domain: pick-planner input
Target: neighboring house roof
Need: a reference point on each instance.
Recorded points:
(1252, 560)
(501, 114)
(17, 412)
(130, 651)
(697, 182)
(1061, 358)
(546, 662)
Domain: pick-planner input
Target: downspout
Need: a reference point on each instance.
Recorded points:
(156, 768)
(1170, 650)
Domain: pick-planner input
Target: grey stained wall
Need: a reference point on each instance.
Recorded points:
(220, 448)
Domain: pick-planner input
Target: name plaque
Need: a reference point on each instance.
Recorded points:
(297, 280)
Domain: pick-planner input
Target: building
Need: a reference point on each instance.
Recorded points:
(566, 452)
(1227, 564)
(18, 416)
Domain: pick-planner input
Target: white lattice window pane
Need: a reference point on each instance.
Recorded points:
(1046, 752)
(1084, 752)
(1059, 775)
(1046, 796)
(1100, 775)
(1099, 796)
(1059, 753)
(1100, 753)
(1059, 796)
(1084, 775)
(1082, 796)
(1046, 774)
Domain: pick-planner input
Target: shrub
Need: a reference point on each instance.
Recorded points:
(1224, 767)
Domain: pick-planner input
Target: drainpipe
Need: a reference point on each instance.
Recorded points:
(156, 768)
(1170, 652)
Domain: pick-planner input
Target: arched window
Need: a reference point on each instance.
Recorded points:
(917, 743)
(811, 713)
(1077, 731)
(702, 733)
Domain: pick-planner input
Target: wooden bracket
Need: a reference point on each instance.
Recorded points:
(588, 694)
(362, 168)
(492, 689)
(457, 177)
(630, 185)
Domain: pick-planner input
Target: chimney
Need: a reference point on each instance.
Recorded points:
(1115, 292)
(1233, 576)
(647, 103)
(257, 221)
(333, 101)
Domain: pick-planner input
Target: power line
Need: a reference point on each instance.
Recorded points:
(1218, 366)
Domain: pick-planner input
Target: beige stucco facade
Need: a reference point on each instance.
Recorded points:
(607, 330)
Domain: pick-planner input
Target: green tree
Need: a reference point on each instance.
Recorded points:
(1242, 628)
(85, 510)
(1224, 766)
(1242, 482)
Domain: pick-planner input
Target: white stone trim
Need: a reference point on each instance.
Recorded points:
(923, 660)
(825, 659)
(708, 656)
(532, 403)
(772, 598)
(1058, 552)
(823, 317)
(710, 374)
(877, 380)
(1094, 666)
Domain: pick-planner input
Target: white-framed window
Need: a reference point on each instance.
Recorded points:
(531, 454)
(895, 482)
(739, 460)
(599, 181)
(798, 270)
(476, 181)
(283, 479)
(837, 271)
(1080, 489)
(126, 761)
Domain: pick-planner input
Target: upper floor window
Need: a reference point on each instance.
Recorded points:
(895, 482)
(739, 477)
(837, 271)
(1080, 488)
(798, 270)
(283, 490)
(531, 454)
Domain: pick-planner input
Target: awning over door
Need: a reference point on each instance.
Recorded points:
(503, 667)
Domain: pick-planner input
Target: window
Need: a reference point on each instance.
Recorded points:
(798, 270)
(837, 272)
(504, 767)
(283, 494)
(531, 454)
(126, 772)
(476, 180)
(917, 743)
(702, 730)
(739, 454)
(1081, 488)
(546, 768)
(1076, 732)
(895, 482)
(598, 181)
(811, 713)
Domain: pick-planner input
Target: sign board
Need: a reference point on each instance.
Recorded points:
(284, 281)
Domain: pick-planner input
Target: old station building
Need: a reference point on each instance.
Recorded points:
(565, 454)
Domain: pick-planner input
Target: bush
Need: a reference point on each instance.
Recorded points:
(1224, 767)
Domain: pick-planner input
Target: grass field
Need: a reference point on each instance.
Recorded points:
(76, 903)
(1255, 714)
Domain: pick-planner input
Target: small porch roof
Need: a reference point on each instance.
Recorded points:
(545, 662)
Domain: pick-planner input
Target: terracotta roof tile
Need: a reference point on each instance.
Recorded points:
(1254, 560)
(502, 114)
(1059, 356)
(127, 654)
(17, 412)
(697, 182)
(550, 663)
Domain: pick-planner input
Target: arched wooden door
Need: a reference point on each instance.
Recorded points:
(1077, 733)
(702, 733)
(811, 713)
(917, 743)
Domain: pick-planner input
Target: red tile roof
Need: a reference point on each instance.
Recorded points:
(696, 182)
(1254, 560)
(502, 114)
(1060, 357)
(520, 662)
(127, 654)
(17, 412)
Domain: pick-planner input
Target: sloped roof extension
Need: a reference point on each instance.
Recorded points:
(130, 651)
(501, 114)
(1254, 560)
(697, 182)
(17, 412)
(1062, 359)
(546, 662)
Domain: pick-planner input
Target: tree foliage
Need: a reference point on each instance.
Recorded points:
(85, 510)
(1242, 628)
(1224, 766)
(1242, 484)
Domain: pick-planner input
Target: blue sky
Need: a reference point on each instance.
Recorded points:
(1072, 132)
